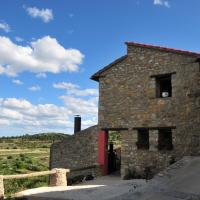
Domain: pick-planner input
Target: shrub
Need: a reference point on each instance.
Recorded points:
(130, 174)
(148, 174)
(33, 168)
(9, 157)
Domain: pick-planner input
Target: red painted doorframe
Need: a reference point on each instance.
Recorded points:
(103, 151)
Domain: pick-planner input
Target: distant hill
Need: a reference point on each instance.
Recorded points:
(41, 140)
(40, 136)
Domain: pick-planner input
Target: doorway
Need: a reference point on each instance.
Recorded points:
(109, 151)
(114, 152)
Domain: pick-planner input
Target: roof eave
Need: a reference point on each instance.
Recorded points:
(97, 75)
(94, 78)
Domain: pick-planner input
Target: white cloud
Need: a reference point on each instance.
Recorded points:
(41, 56)
(162, 3)
(19, 39)
(75, 90)
(65, 85)
(81, 106)
(41, 75)
(24, 117)
(17, 82)
(4, 26)
(4, 122)
(45, 14)
(34, 88)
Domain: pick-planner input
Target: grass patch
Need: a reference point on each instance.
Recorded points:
(26, 154)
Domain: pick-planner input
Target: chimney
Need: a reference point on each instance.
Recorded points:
(77, 123)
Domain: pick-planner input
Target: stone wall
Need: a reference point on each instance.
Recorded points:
(78, 153)
(127, 99)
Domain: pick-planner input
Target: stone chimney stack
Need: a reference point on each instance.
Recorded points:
(77, 123)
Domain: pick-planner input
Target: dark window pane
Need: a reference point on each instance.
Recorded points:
(165, 139)
(143, 139)
(163, 86)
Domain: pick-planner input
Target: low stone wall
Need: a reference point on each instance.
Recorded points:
(78, 153)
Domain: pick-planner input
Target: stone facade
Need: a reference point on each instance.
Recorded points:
(78, 153)
(128, 102)
(127, 99)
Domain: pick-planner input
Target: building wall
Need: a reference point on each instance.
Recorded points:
(78, 153)
(127, 99)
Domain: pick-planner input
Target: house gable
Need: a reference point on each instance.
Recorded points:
(133, 45)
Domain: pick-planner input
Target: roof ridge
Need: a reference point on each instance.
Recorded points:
(173, 50)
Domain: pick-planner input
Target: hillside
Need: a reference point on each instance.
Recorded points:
(25, 154)
(41, 140)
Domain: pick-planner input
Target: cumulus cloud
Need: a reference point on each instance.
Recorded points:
(162, 3)
(4, 26)
(41, 56)
(75, 90)
(19, 39)
(34, 88)
(81, 106)
(17, 82)
(41, 75)
(22, 115)
(65, 85)
(45, 14)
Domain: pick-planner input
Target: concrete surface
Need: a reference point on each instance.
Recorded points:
(180, 181)
(102, 188)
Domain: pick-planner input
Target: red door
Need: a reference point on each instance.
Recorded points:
(103, 151)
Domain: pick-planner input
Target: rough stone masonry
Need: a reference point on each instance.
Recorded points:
(152, 96)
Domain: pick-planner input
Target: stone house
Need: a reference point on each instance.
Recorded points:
(152, 97)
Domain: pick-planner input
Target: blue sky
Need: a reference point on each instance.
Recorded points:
(49, 50)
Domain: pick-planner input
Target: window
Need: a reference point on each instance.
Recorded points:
(165, 139)
(163, 86)
(143, 139)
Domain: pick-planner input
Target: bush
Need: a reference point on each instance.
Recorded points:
(130, 174)
(22, 157)
(9, 157)
(33, 168)
(148, 174)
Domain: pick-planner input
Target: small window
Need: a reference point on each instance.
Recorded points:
(165, 139)
(163, 86)
(143, 139)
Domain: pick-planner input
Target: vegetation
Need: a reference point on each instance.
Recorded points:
(115, 138)
(26, 154)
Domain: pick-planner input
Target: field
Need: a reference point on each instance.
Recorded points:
(25, 154)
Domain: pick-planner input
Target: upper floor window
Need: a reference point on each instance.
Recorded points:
(163, 86)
